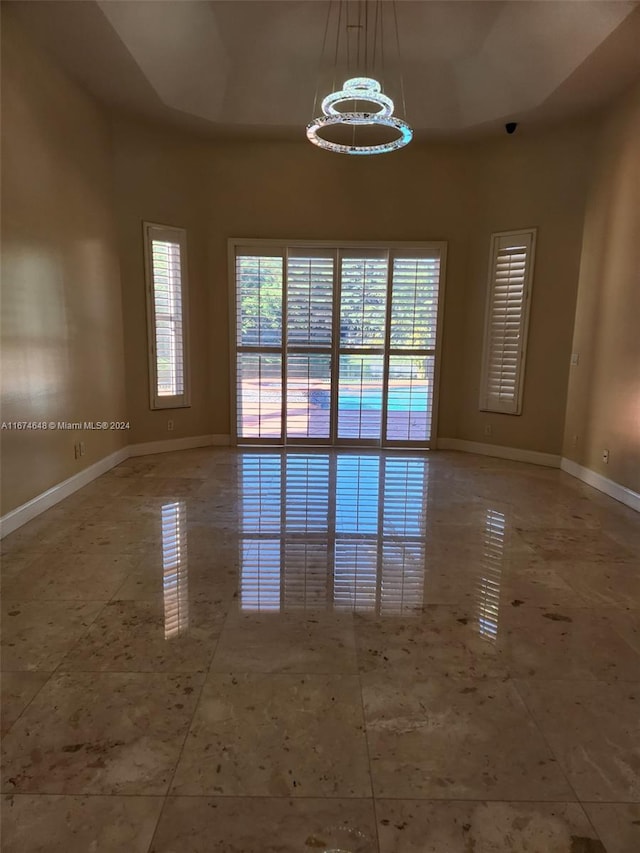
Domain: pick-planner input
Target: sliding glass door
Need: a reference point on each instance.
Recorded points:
(336, 345)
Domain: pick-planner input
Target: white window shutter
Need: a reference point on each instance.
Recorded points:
(413, 332)
(310, 279)
(166, 279)
(507, 319)
(259, 277)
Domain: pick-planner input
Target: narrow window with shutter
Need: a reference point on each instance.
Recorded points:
(507, 319)
(166, 280)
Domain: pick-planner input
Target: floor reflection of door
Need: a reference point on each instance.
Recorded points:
(336, 345)
(325, 530)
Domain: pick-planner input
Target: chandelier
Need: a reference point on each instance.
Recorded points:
(359, 47)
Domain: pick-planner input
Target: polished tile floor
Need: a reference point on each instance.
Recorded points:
(254, 651)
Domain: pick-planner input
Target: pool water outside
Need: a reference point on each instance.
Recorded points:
(401, 399)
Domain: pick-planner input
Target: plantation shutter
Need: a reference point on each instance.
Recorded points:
(165, 251)
(412, 334)
(309, 297)
(507, 318)
(259, 299)
(361, 339)
(414, 307)
(310, 275)
(335, 344)
(259, 279)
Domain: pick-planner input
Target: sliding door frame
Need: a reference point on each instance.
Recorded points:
(235, 243)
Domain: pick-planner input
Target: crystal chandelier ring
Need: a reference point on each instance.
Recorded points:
(360, 102)
(359, 89)
(406, 134)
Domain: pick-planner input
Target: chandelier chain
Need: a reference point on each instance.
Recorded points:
(366, 38)
(348, 36)
(383, 65)
(402, 95)
(335, 59)
(359, 32)
(321, 60)
(375, 35)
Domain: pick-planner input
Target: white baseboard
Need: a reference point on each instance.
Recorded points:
(22, 514)
(550, 460)
(29, 510)
(609, 487)
(165, 446)
(516, 454)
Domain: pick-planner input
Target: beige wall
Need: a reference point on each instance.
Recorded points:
(458, 193)
(540, 181)
(218, 191)
(62, 350)
(159, 178)
(603, 403)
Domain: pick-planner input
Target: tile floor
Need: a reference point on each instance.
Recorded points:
(254, 651)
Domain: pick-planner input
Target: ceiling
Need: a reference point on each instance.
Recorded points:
(251, 67)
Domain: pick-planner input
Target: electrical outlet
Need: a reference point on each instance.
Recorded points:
(82, 447)
(487, 429)
(575, 359)
(574, 440)
(605, 457)
(170, 425)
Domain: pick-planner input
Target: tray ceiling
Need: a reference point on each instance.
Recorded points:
(251, 68)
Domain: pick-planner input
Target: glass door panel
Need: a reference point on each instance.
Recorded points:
(259, 291)
(410, 398)
(309, 337)
(360, 396)
(259, 395)
(363, 301)
(259, 297)
(308, 395)
(363, 321)
(413, 329)
(310, 298)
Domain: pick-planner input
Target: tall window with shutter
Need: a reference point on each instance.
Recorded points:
(166, 280)
(507, 320)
